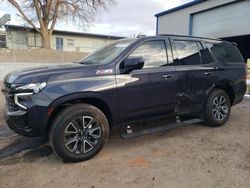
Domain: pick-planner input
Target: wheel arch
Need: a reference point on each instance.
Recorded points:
(225, 86)
(94, 99)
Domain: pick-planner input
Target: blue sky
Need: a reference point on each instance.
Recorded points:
(124, 18)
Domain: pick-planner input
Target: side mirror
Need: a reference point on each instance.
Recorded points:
(131, 63)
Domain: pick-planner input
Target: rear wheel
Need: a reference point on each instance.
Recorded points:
(79, 132)
(218, 108)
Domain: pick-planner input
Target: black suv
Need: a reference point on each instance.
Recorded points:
(127, 81)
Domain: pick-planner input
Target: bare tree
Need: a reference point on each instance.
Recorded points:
(46, 13)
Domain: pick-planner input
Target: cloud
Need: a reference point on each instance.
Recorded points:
(132, 17)
(124, 18)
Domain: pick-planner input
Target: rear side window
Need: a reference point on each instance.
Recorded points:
(187, 53)
(225, 51)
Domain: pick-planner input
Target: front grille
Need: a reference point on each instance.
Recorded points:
(9, 97)
(10, 102)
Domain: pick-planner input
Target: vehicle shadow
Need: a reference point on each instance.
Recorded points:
(32, 149)
(21, 144)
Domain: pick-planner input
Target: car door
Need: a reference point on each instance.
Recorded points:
(150, 91)
(195, 73)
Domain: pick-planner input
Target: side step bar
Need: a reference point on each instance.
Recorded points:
(159, 128)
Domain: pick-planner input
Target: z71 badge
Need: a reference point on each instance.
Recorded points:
(104, 71)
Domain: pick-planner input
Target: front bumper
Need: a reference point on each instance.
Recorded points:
(17, 122)
(21, 123)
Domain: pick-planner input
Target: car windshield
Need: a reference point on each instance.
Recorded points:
(107, 53)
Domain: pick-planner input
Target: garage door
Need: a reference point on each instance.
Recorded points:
(225, 21)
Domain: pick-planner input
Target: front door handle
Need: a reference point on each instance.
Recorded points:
(208, 73)
(167, 76)
(219, 68)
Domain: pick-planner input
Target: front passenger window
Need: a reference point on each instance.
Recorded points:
(153, 53)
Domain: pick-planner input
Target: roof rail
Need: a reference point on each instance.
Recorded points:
(189, 36)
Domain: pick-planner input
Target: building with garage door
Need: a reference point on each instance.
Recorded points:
(225, 19)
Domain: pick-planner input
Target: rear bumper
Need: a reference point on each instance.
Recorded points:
(240, 92)
(238, 100)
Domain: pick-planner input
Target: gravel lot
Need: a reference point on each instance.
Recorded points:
(192, 156)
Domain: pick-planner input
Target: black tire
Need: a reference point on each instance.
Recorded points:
(73, 132)
(217, 115)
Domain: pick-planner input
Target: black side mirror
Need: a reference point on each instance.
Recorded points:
(131, 63)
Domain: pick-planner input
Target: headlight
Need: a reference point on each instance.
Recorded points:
(33, 87)
(27, 90)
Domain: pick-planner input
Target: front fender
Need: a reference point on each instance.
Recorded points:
(78, 96)
(89, 97)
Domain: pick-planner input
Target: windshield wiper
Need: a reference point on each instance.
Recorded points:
(86, 62)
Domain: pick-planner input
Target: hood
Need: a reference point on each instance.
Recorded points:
(43, 74)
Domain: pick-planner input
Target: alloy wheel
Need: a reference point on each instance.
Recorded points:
(82, 135)
(220, 108)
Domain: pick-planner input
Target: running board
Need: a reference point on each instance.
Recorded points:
(159, 128)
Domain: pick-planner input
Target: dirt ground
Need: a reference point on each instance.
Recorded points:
(192, 156)
(39, 56)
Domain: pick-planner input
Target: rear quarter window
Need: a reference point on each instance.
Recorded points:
(206, 56)
(225, 51)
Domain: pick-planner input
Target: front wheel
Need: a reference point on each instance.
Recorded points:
(79, 132)
(218, 108)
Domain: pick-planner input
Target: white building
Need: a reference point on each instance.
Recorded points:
(225, 19)
(19, 37)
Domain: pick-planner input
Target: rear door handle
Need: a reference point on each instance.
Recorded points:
(208, 73)
(167, 76)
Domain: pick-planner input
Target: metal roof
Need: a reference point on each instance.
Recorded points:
(195, 2)
(61, 32)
